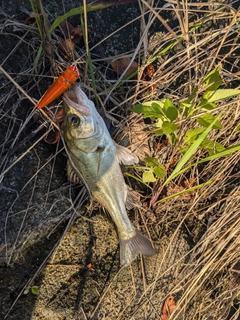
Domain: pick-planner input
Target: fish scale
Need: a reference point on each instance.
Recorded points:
(97, 159)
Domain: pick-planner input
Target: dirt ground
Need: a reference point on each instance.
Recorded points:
(68, 251)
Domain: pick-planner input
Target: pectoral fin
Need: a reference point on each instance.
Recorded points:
(125, 156)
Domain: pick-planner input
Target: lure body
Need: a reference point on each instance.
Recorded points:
(63, 82)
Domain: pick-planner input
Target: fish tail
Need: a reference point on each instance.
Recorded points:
(131, 248)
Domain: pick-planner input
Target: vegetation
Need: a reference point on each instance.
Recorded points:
(169, 120)
(33, 289)
(167, 82)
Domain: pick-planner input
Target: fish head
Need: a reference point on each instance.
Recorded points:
(82, 123)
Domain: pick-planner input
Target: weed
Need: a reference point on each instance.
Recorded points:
(190, 146)
(32, 289)
(168, 119)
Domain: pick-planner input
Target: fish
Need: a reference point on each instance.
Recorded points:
(96, 159)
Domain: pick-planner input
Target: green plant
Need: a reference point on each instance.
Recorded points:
(153, 170)
(33, 289)
(168, 119)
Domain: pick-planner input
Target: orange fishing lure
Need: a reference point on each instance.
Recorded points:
(63, 82)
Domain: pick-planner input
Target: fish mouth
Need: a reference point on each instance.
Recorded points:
(77, 100)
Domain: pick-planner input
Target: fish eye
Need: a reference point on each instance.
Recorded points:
(73, 120)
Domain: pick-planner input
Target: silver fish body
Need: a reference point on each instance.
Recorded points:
(96, 157)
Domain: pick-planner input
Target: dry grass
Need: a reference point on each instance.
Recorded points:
(202, 273)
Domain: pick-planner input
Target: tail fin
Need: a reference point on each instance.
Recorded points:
(131, 248)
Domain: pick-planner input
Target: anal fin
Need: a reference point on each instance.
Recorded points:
(133, 199)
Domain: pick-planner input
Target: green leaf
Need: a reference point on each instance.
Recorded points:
(158, 132)
(159, 171)
(192, 149)
(157, 107)
(149, 103)
(196, 26)
(161, 109)
(188, 102)
(186, 107)
(212, 146)
(192, 134)
(80, 10)
(206, 119)
(237, 130)
(183, 149)
(223, 94)
(159, 123)
(185, 104)
(173, 139)
(26, 291)
(167, 48)
(204, 104)
(227, 152)
(138, 179)
(152, 111)
(214, 79)
(170, 110)
(187, 191)
(151, 162)
(148, 176)
(89, 59)
(169, 127)
(35, 289)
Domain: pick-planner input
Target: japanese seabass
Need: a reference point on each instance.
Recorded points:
(96, 157)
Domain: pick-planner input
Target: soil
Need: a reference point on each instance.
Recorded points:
(73, 257)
